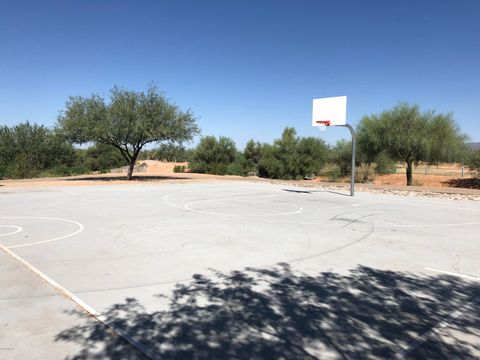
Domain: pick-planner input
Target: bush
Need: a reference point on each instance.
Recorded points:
(473, 163)
(253, 154)
(312, 153)
(341, 155)
(271, 167)
(103, 158)
(290, 157)
(213, 156)
(240, 166)
(28, 150)
(168, 152)
(333, 172)
(179, 169)
(364, 173)
(384, 165)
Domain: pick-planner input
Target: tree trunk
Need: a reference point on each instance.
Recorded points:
(132, 163)
(130, 169)
(409, 171)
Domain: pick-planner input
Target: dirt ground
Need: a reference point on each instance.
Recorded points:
(162, 171)
(418, 180)
(156, 171)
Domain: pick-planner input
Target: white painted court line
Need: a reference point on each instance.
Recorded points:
(81, 304)
(16, 231)
(453, 274)
(442, 324)
(188, 206)
(434, 330)
(301, 210)
(79, 230)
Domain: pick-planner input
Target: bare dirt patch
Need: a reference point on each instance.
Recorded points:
(155, 171)
(162, 172)
(419, 180)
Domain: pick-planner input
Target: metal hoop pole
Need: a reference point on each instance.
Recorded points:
(352, 181)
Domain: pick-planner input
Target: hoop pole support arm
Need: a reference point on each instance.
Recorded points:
(352, 181)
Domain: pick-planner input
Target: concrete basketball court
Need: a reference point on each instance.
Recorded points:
(373, 276)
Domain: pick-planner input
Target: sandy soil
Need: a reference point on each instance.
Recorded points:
(418, 180)
(157, 171)
(163, 172)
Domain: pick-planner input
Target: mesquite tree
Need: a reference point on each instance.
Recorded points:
(406, 134)
(128, 122)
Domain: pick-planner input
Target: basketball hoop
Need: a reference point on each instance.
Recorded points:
(335, 110)
(322, 124)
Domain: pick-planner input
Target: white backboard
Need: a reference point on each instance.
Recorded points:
(332, 109)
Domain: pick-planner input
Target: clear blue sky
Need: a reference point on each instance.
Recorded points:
(246, 68)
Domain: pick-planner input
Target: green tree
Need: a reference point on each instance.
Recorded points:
(103, 158)
(28, 149)
(312, 153)
(239, 166)
(271, 167)
(253, 153)
(285, 150)
(341, 155)
(290, 157)
(171, 152)
(213, 156)
(406, 134)
(128, 122)
(7, 150)
(447, 143)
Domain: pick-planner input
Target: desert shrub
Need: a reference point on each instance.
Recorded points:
(341, 155)
(179, 169)
(384, 164)
(103, 158)
(312, 156)
(168, 152)
(333, 172)
(3, 171)
(473, 162)
(271, 167)
(364, 173)
(290, 157)
(147, 154)
(213, 155)
(253, 153)
(240, 166)
(285, 150)
(28, 150)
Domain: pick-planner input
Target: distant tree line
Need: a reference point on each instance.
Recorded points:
(29, 150)
(289, 157)
(401, 134)
(116, 132)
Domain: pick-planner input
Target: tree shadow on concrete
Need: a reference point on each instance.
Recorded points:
(282, 314)
(123, 178)
(466, 183)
